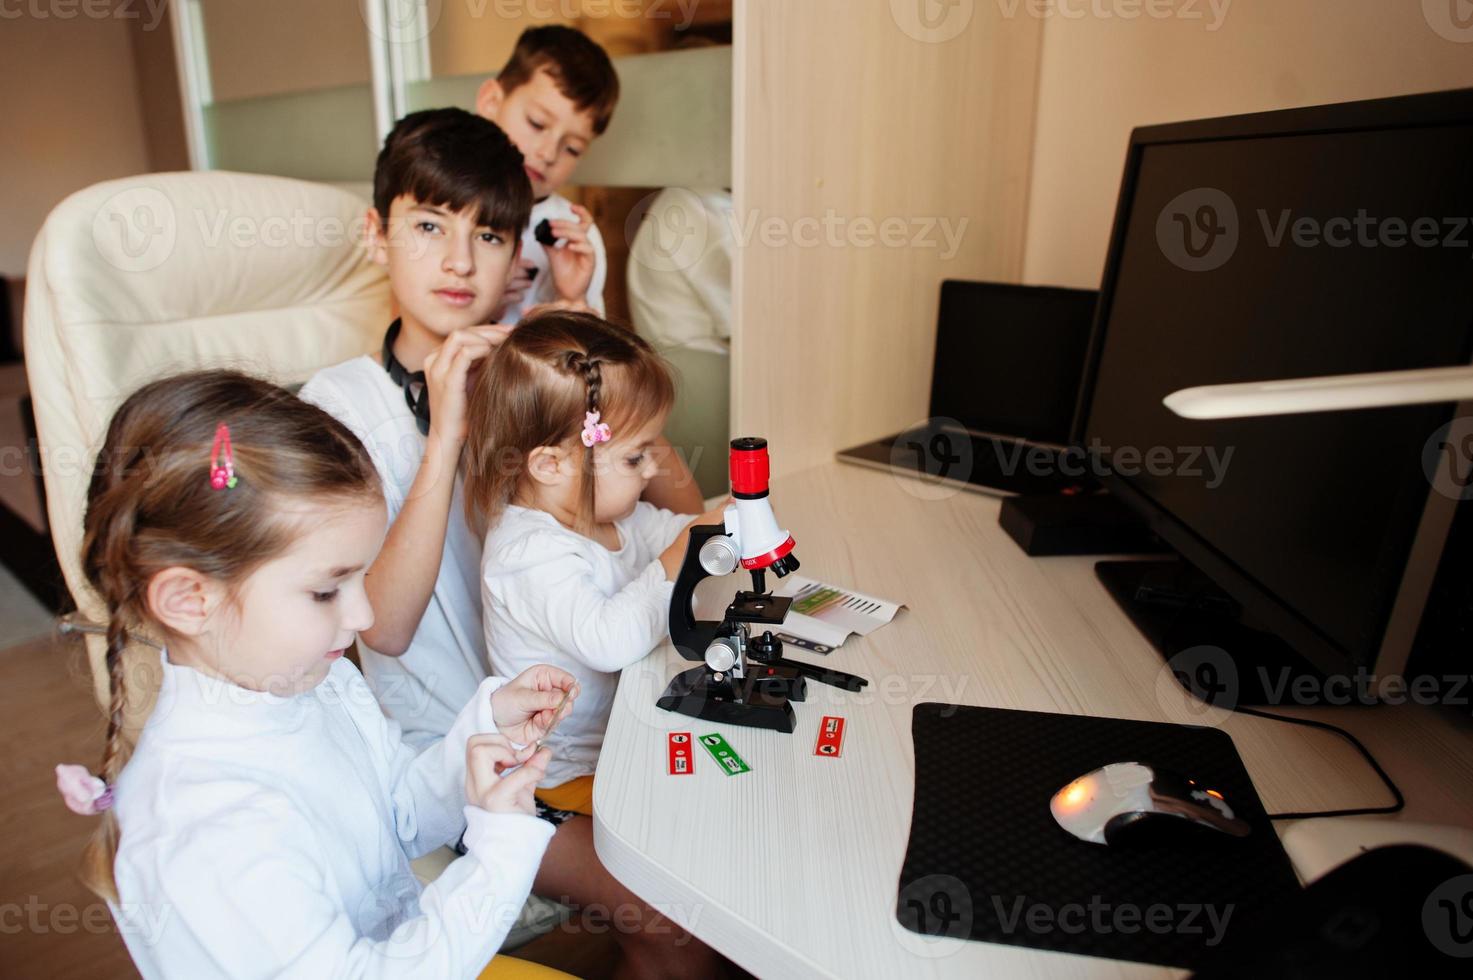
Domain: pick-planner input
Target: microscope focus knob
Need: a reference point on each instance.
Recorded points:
(720, 555)
(721, 655)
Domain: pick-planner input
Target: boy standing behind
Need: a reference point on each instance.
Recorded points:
(553, 98)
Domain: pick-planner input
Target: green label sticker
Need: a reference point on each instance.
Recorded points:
(816, 600)
(724, 754)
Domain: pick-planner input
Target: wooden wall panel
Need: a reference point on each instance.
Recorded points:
(874, 156)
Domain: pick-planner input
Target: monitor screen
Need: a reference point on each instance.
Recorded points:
(1247, 258)
(1009, 358)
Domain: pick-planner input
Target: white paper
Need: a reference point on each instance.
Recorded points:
(849, 613)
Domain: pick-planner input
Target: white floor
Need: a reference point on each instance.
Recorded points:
(22, 618)
(18, 489)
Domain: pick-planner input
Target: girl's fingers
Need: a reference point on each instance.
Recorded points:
(546, 677)
(531, 771)
(540, 701)
(484, 759)
(510, 787)
(486, 741)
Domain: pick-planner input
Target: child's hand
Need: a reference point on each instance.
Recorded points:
(572, 262)
(447, 378)
(517, 286)
(674, 556)
(716, 515)
(523, 707)
(487, 757)
(572, 305)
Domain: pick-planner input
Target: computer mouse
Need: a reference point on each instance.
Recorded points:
(1133, 801)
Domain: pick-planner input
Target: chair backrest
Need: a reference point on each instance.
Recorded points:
(134, 279)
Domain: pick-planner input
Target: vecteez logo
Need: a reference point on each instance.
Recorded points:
(1452, 20)
(1447, 459)
(932, 21)
(1198, 229)
(1447, 917)
(135, 229)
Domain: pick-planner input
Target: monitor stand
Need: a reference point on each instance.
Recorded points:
(1199, 630)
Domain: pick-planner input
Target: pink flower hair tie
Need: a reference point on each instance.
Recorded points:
(83, 792)
(595, 431)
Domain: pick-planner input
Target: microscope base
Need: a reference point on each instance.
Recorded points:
(752, 702)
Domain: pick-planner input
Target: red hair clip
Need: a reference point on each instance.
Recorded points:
(222, 460)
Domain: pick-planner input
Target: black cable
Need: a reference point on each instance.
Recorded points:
(1362, 811)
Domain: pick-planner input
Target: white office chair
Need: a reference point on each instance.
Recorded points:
(134, 279)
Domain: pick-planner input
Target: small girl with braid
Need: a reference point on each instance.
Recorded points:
(576, 571)
(265, 821)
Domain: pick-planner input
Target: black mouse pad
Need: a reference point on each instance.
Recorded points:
(987, 861)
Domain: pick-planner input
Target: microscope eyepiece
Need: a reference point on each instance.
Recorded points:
(763, 543)
(749, 468)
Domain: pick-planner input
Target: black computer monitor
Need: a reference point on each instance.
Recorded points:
(1009, 358)
(1318, 241)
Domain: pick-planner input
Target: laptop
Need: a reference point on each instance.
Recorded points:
(1009, 360)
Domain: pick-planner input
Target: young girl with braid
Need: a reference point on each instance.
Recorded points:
(576, 570)
(268, 814)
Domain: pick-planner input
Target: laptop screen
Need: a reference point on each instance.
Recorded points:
(1009, 358)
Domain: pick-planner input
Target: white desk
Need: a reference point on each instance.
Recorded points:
(791, 870)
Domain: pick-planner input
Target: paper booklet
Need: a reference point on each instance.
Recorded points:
(823, 616)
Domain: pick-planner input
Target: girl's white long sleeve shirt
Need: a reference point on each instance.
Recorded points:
(553, 596)
(266, 836)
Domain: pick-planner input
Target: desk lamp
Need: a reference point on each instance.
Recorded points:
(1323, 394)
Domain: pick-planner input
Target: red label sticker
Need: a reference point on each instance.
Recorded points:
(682, 763)
(830, 737)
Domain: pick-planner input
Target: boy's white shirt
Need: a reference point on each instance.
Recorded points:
(555, 207)
(423, 689)
(265, 836)
(679, 273)
(553, 596)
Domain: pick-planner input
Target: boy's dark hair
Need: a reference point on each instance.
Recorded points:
(454, 159)
(577, 64)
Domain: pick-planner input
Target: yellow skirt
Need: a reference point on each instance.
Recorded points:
(508, 968)
(576, 796)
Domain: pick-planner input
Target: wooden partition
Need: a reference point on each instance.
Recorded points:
(879, 147)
